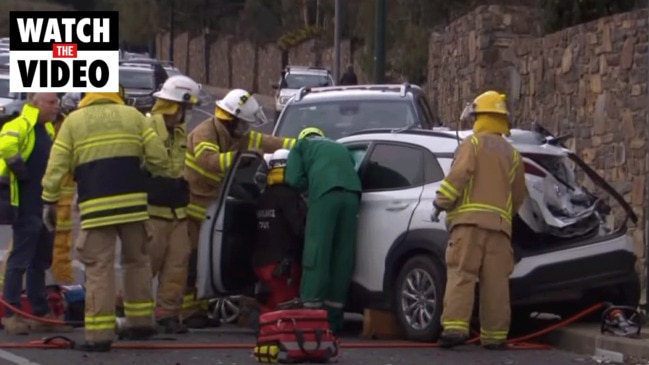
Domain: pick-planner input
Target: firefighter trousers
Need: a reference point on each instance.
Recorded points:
(96, 250)
(473, 254)
(191, 306)
(61, 258)
(329, 250)
(169, 250)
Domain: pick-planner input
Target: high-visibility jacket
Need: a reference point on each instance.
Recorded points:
(17, 140)
(210, 152)
(486, 184)
(169, 196)
(68, 189)
(104, 143)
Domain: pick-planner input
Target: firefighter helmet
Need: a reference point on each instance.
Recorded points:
(241, 104)
(179, 88)
(309, 131)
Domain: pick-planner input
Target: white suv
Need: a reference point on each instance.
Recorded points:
(400, 251)
(294, 78)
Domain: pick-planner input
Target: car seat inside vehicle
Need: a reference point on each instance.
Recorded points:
(240, 227)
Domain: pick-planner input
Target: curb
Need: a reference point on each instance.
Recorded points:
(266, 101)
(587, 339)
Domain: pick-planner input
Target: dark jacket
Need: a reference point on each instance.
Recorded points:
(281, 220)
(349, 78)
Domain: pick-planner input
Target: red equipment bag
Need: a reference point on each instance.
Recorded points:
(54, 297)
(295, 336)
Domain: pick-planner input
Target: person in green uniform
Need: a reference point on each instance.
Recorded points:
(324, 170)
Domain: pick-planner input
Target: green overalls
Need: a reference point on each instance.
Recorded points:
(324, 169)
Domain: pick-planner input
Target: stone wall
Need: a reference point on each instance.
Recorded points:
(231, 63)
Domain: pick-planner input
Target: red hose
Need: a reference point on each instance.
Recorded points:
(518, 343)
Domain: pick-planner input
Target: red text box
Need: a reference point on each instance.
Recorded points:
(64, 50)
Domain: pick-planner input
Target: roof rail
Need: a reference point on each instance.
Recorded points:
(300, 93)
(306, 68)
(406, 130)
(405, 87)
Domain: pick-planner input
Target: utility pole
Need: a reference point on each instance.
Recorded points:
(172, 25)
(337, 35)
(379, 43)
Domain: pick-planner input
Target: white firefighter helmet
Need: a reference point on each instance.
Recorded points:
(278, 159)
(179, 88)
(241, 104)
(70, 102)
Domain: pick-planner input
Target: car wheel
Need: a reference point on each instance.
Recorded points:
(418, 295)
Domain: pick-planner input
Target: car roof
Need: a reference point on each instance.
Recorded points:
(307, 70)
(446, 140)
(136, 68)
(369, 92)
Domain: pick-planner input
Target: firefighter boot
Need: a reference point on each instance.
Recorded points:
(201, 320)
(496, 346)
(452, 339)
(15, 325)
(136, 333)
(171, 326)
(46, 327)
(94, 346)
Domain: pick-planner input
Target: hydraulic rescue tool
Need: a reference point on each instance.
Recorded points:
(621, 321)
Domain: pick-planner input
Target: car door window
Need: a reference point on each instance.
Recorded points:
(425, 112)
(433, 170)
(358, 152)
(393, 166)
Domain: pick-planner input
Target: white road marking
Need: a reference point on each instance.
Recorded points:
(15, 359)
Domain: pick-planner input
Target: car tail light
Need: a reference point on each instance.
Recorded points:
(533, 170)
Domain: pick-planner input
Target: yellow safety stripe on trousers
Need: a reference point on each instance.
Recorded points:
(493, 335)
(100, 323)
(254, 141)
(64, 225)
(106, 204)
(190, 162)
(289, 143)
(196, 211)
(190, 302)
(167, 212)
(139, 309)
(460, 326)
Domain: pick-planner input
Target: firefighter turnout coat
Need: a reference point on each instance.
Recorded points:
(210, 152)
(104, 144)
(485, 186)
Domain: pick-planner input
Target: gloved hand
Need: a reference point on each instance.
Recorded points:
(49, 217)
(436, 211)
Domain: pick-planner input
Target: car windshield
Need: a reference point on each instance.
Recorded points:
(341, 118)
(4, 88)
(137, 79)
(297, 81)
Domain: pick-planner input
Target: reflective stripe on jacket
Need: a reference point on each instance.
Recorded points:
(168, 196)
(104, 145)
(68, 187)
(486, 184)
(210, 152)
(17, 140)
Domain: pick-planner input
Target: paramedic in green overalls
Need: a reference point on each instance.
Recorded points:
(324, 170)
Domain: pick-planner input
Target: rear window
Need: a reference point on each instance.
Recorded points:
(559, 166)
(343, 117)
(137, 79)
(297, 81)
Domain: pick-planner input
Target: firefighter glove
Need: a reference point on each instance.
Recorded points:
(49, 216)
(435, 214)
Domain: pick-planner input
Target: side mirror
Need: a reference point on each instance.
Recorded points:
(275, 86)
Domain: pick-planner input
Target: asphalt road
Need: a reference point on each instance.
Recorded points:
(380, 355)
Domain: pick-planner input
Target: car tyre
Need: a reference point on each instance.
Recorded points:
(428, 279)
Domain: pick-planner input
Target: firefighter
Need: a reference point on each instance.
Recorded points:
(281, 217)
(25, 144)
(62, 258)
(324, 169)
(481, 194)
(105, 144)
(169, 246)
(211, 147)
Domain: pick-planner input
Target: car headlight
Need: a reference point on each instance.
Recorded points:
(2, 109)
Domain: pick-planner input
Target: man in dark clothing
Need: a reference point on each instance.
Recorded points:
(281, 216)
(324, 169)
(25, 145)
(349, 77)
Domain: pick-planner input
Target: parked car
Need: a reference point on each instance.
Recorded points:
(11, 104)
(139, 84)
(294, 78)
(343, 110)
(400, 261)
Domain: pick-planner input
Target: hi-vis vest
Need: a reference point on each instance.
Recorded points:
(17, 140)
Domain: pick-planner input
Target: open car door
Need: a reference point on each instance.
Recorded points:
(228, 233)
